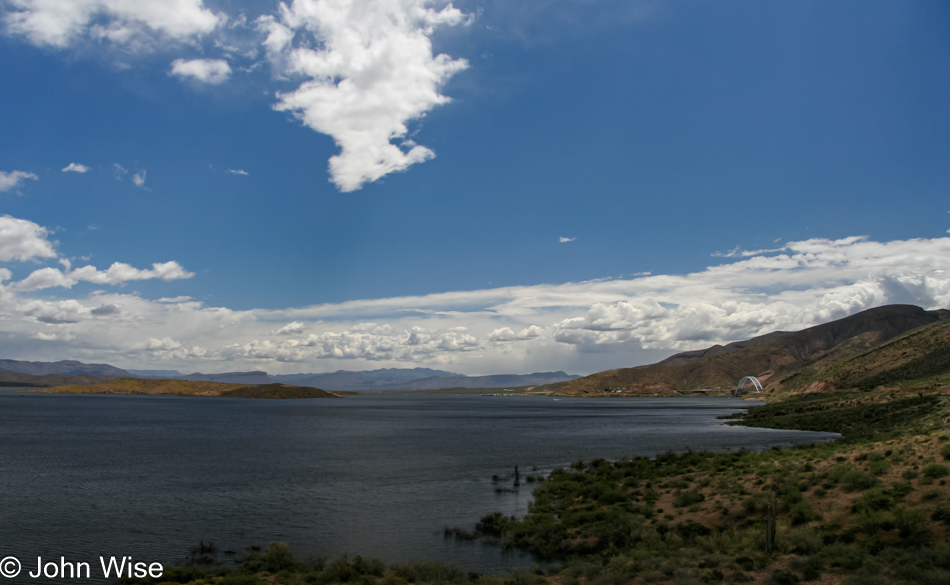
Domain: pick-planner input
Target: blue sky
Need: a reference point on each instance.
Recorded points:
(483, 187)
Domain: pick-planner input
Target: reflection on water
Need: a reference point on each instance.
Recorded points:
(378, 475)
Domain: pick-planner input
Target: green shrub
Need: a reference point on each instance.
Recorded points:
(745, 563)
(427, 572)
(278, 557)
(803, 541)
(855, 480)
(374, 567)
(800, 513)
(911, 524)
(754, 503)
(687, 498)
(900, 489)
(812, 569)
(780, 577)
(494, 524)
(849, 556)
(691, 529)
(941, 515)
(935, 471)
(879, 467)
(945, 451)
(873, 500)
(930, 495)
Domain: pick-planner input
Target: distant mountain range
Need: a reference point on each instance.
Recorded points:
(893, 346)
(14, 372)
(383, 379)
(855, 352)
(62, 368)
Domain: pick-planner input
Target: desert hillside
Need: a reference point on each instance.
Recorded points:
(778, 357)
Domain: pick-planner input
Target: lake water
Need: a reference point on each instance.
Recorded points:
(379, 475)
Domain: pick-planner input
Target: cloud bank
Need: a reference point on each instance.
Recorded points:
(575, 326)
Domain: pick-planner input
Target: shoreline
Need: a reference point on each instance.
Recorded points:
(847, 510)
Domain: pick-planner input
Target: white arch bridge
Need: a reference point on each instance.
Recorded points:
(755, 384)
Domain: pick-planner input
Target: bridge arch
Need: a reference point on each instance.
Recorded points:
(755, 383)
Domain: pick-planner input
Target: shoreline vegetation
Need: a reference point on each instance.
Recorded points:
(872, 508)
(190, 388)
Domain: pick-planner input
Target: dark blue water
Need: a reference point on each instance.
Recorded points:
(378, 475)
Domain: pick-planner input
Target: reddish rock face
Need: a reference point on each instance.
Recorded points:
(820, 387)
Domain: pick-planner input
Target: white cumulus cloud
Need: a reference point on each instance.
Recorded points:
(117, 273)
(21, 239)
(75, 168)
(295, 328)
(370, 71)
(139, 179)
(12, 179)
(211, 71)
(505, 334)
(58, 23)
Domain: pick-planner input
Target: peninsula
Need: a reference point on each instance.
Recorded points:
(190, 388)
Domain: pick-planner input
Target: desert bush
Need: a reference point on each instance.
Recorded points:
(804, 541)
(849, 556)
(874, 499)
(879, 467)
(800, 512)
(899, 489)
(930, 495)
(687, 498)
(911, 524)
(427, 572)
(935, 471)
(278, 557)
(941, 515)
(780, 577)
(855, 480)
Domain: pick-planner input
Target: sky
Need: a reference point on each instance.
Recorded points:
(481, 186)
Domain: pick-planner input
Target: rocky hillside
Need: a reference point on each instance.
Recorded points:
(776, 358)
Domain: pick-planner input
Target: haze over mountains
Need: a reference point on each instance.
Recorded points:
(73, 372)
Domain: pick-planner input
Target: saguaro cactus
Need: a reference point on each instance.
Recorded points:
(770, 509)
